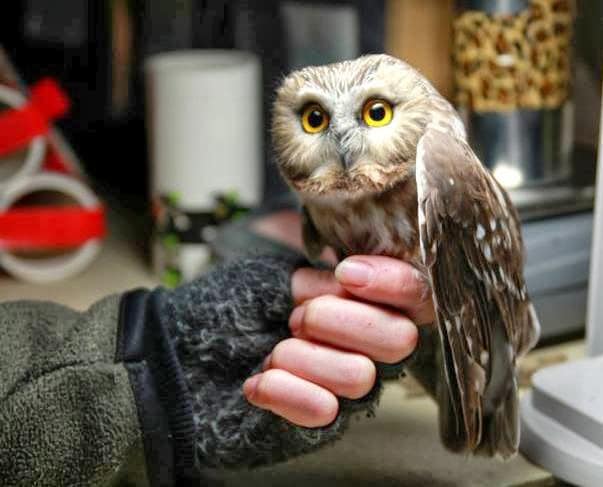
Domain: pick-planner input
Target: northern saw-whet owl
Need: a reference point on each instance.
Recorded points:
(381, 164)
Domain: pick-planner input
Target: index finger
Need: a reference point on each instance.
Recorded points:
(389, 281)
(379, 279)
(308, 283)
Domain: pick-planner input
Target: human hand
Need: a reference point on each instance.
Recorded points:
(225, 323)
(366, 312)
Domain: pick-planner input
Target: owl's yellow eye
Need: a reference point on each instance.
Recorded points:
(314, 119)
(377, 113)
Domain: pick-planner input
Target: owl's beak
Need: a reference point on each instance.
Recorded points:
(347, 160)
(346, 157)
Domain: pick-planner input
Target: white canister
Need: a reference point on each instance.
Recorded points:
(204, 125)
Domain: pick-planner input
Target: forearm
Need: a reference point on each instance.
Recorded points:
(67, 410)
(153, 376)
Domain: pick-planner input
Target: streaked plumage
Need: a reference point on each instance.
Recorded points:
(413, 189)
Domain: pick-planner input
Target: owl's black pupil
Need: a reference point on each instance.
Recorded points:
(315, 118)
(377, 112)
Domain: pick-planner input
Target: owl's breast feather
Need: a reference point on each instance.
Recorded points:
(383, 224)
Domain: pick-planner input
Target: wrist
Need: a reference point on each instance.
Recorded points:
(162, 398)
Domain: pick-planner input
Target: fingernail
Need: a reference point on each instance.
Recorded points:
(250, 386)
(296, 319)
(353, 273)
(266, 363)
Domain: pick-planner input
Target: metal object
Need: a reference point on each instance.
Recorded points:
(523, 147)
(512, 70)
(495, 6)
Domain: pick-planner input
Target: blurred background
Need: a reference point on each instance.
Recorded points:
(144, 156)
(170, 109)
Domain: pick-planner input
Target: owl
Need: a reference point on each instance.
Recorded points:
(381, 164)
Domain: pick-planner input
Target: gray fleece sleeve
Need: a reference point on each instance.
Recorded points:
(67, 412)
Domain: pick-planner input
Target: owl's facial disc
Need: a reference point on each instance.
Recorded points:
(350, 129)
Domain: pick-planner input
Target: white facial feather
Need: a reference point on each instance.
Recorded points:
(379, 155)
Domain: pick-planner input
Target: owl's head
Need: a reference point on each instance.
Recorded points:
(350, 129)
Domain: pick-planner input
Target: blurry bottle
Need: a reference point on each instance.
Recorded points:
(512, 72)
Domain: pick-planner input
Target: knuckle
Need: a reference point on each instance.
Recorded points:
(325, 410)
(412, 339)
(314, 309)
(403, 344)
(282, 351)
(409, 283)
(332, 412)
(263, 391)
(299, 283)
(423, 287)
(358, 376)
(321, 301)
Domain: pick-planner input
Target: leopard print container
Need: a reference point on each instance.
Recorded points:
(512, 70)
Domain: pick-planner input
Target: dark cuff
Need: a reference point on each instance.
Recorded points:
(392, 371)
(163, 400)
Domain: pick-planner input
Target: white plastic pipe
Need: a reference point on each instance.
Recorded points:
(594, 327)
(54, 268)
(20, 163)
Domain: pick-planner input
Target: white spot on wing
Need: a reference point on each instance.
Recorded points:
(499, 196)
(535, 326)
(422, 247)
(488, 252)
(510, 352)
(421, 180)
(480, 232)
(421, 215)
(451, 181)
(420, 170)
(484, 357)
(459, 128)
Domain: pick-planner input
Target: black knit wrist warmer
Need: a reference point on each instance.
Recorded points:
(223, 326)
(163, 399)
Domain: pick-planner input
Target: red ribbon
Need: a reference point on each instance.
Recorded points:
(19, 125)
(50, 227)
(54, 162)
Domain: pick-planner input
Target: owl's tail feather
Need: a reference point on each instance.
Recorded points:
(501, 429)
(427, 368)
(452, 430)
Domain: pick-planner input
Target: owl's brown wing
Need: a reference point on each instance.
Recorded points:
(471, 245)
